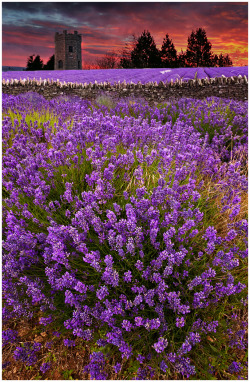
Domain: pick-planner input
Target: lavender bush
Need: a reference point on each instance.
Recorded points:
(126, 226)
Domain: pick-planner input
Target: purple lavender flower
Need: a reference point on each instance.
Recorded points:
(101, 342)
(96, 365)
(45, 367)
(68, 342)
(163, 366)
(127, 276)
(102, 292)
(160, 345)
(235, 367)
(9, 336)
(27, 353)
(139, 265)
(180, 322)
(127, 325)
(139, 321)
(45, 320)
(161, 182)
(111, 276)
(140, 358)
(49, 344)
(57, 334)
(117, 367)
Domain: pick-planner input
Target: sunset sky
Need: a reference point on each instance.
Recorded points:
(29, 27)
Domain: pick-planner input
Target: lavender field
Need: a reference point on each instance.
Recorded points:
(128, 75)
(125, 228)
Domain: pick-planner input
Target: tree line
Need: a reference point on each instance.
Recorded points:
(142, 52)
(36, 63)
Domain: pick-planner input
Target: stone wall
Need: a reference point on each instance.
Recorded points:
(224, 87)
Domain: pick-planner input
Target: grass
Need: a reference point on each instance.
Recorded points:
(215, 352)
(105, 100)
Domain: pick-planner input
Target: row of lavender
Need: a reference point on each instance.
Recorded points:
(128, 75)
(127, 228)
(123, 85)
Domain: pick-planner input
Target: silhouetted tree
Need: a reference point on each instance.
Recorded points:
(34, 63)
(215, 60)
(181, 60)
(125, 60)
(125, 54)
(199, 49)
(142, 52)
(109, 61)
(30, 61)
(224, 60)
(145, 54)
(50, 65)
(228, 61)
(168, 53)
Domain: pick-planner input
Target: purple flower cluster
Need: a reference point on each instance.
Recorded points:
(9, 336)
(27, 353)
(45, 367)
(105, 222)
(117, 367)
(237, 333)
(96, 365)
(235, 367)
(163, 366)
(161, 345)
(68, 342)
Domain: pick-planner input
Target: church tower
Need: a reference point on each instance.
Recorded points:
(68, 54)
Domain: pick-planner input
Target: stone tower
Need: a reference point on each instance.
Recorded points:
(68, 54)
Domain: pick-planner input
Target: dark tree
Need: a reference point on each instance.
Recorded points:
(125, 60)
(199, 49)
(228, 61)
(30, 62)
(224, 60)
(50, 65)
(125, 54)
(141, 52)
(181, 60)
(168, 53)
(215, 60)
(109, 61)
(34, 63)
(145, 54)
(221, 60)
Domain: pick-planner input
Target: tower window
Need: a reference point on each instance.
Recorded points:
(70, 48)
(79, 65)
(60, 64)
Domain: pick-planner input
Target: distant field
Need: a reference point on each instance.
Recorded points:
(128, 75)
(12, 68)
